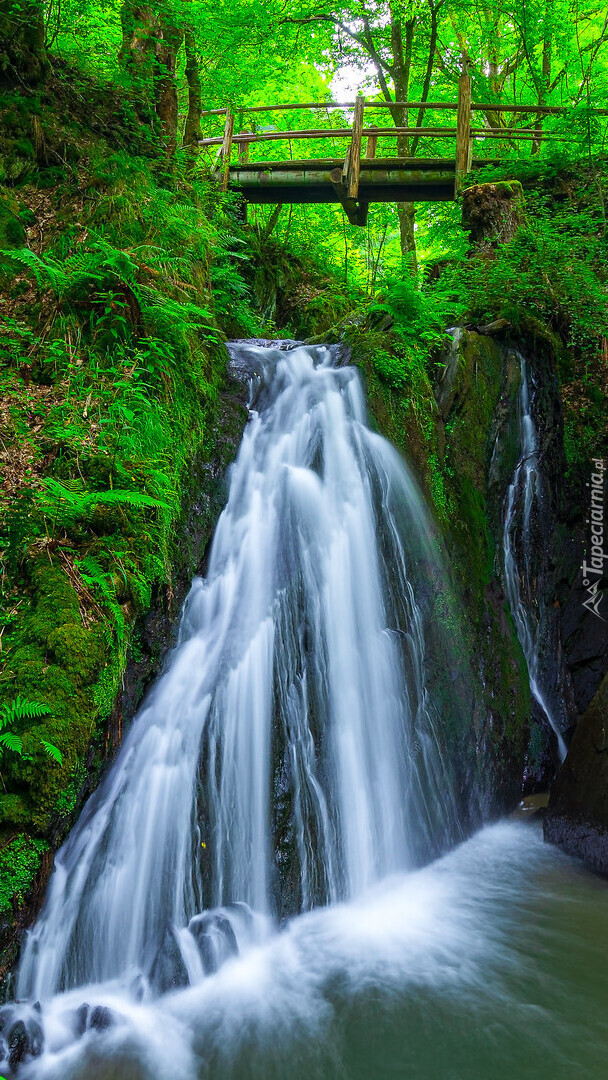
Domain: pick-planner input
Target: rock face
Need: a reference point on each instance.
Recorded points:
(577, 818)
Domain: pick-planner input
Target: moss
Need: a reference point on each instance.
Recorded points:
(19, 863)
(14, 809)
(12, 233)
(79, 651)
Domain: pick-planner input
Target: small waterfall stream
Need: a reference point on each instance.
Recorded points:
(525, 551)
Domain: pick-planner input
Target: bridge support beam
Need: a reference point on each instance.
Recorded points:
(355, 212)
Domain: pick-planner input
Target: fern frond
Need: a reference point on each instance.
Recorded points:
(53, 751)
(21, 709)
(11, 742)
(123, 498)
(55, 498)
(48, 271)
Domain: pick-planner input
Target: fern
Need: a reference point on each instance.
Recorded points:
(52, 751)
(56, 500)
(11, 741)
(48, 272)
(95, 578)
(21, 709)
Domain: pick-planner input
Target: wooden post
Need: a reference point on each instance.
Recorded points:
(226, 149)
(464, 143)
(244, 149)
(372, 143)
(352, 164)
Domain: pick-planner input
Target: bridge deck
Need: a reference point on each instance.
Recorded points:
(380, 180)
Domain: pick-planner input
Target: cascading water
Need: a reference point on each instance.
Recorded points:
(293, 735)
(289, 756)
(525, 549)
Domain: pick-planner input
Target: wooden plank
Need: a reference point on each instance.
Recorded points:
(286, 178)
(372, 165)
(372, 145)
(463, 131)
(352, 163)
(226, 149)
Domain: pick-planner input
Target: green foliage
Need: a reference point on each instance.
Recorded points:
(13, 712)
(19, 862)
(65, 506)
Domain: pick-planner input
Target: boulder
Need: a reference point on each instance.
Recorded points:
(215, 939)
(21, 1034)
(168, 971)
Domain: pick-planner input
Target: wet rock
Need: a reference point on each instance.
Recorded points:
(82, 1016)
(102, 1018)
(168, 971)
(96, 1018)
(215, 939)
(21, 1034)
(577, 818)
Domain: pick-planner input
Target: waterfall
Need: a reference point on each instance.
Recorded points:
(289, 756)
(525, 551)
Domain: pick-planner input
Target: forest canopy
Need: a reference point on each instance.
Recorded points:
(179, 59)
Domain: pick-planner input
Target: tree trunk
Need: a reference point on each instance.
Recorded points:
(22, 53)
(193, 120)
(406, 212)
(402, 58)
(139, 30)
(492, 214)
(168, 43)
(544, 88)
(149, 50)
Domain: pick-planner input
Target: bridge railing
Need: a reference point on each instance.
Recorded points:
(464, 132)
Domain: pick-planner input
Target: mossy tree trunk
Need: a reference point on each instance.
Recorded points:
(193, 119)
(22, 52)
(492, 214)
(168, 43)
(150, 43)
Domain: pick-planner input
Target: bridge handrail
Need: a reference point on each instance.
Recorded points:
(347, 189)
(538, 110)
(385, 133)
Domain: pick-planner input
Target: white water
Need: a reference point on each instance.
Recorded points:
(299, 683)
(491, 962)
(523, 501)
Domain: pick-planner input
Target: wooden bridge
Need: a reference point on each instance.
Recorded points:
(358, 178)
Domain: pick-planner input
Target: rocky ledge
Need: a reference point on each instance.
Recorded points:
(577, 817)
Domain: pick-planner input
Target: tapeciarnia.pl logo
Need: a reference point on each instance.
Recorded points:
(593, 571)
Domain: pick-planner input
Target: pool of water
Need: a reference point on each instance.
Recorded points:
(492, 962)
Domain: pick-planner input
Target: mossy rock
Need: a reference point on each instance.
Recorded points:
(12, 232)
